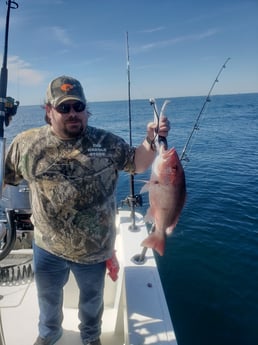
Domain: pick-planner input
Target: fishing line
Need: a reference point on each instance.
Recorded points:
(129, 89)
(196, 127)
(193, 141)
(132, 200)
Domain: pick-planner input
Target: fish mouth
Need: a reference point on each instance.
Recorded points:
(165, 152)
(170, 154)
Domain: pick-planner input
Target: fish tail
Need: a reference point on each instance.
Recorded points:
(157, 241)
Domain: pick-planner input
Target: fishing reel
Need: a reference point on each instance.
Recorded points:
(10, 109)
(135, 200)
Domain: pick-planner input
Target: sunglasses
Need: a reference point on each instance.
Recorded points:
(65, 108)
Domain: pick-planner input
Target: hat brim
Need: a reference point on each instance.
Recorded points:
(68, 98)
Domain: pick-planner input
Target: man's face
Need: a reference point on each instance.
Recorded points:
(68, 120)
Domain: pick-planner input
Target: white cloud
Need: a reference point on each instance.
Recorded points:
(60, 35)
(166, 43)
(149, 31)
(21, 72)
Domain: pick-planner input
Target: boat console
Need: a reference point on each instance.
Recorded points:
(16, 229)
(16, 232)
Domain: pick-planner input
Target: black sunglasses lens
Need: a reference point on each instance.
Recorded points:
(65, 108)
(78, 107)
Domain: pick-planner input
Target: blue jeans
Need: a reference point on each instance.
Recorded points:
(51, 274)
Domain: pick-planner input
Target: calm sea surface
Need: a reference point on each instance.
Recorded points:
(210, 268)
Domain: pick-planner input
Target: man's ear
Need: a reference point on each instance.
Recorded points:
(47, 114)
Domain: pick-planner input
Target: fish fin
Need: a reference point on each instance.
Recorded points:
(157, 241)
(172, 227)
(145, 188)
(140, 180)
(149, 217)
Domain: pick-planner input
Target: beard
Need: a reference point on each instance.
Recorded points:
(73, 129)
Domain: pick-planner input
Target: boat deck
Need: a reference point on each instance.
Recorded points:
(135, 311)
(20, 322)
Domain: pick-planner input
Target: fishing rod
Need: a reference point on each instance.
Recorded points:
(132, 200)
(196, 124)
(8, 106)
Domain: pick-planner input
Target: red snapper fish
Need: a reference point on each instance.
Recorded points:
(167, 193)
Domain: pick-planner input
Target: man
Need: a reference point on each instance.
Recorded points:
(72, 171)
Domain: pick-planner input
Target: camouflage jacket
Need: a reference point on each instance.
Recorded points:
(72, 185)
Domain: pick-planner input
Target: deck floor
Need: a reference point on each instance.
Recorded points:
(20, 322)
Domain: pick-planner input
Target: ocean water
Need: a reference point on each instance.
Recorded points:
(210, 268)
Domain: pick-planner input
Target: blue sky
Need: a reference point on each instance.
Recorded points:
(176, 47)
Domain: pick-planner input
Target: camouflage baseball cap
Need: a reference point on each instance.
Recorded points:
(64, 89)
